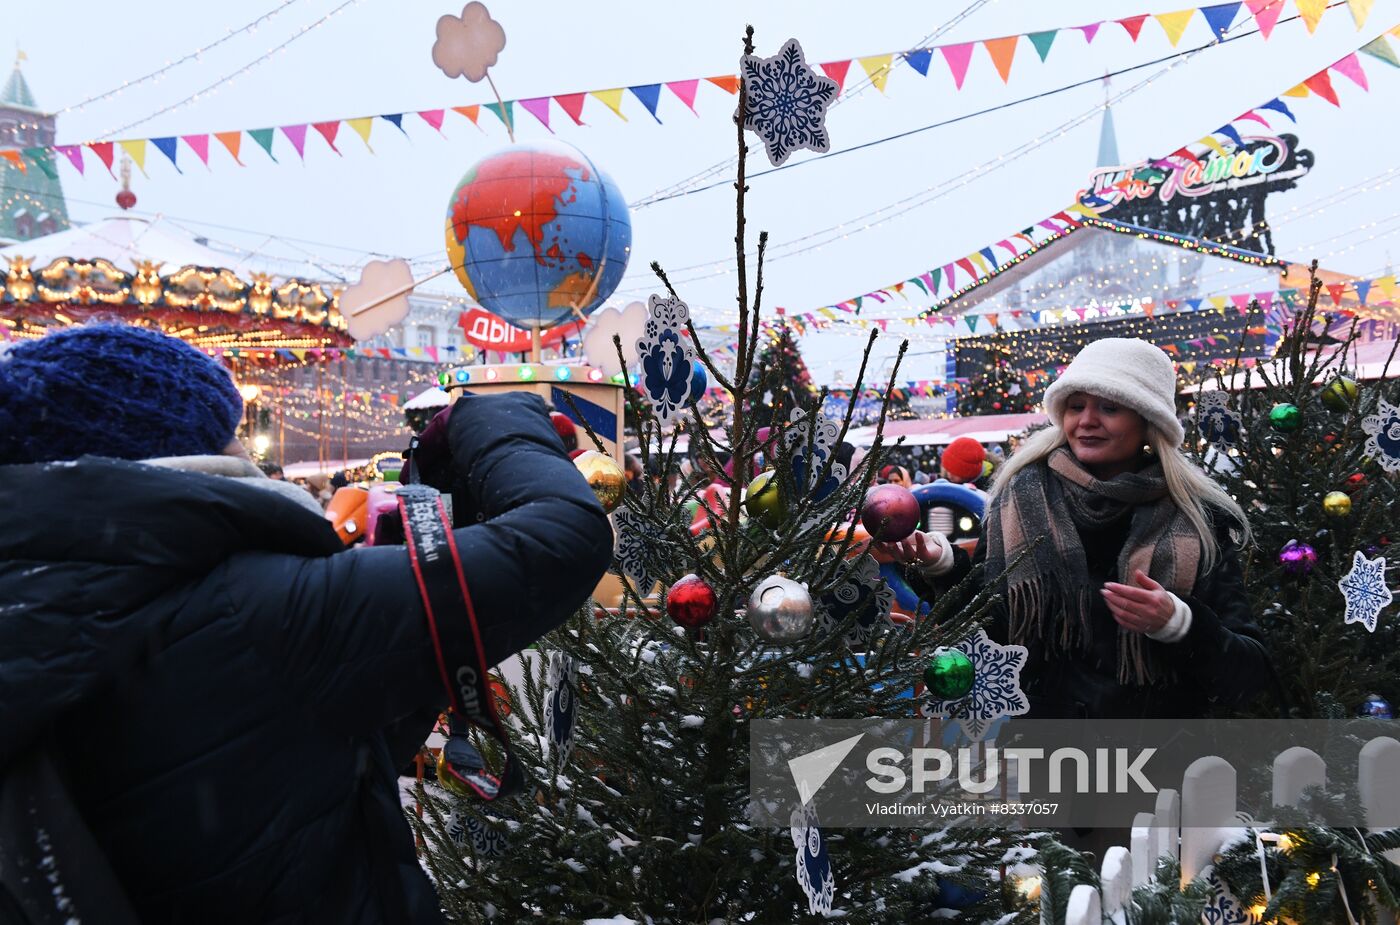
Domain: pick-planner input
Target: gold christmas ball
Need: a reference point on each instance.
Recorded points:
(605, 477)
(1336, 504)
(1340, 393)
(763, 501)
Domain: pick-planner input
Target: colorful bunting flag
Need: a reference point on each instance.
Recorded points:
(729, 83)
(328, 131)
(199, 144)
(363, 127)
(104, 152)
(396, 119)
(505, 112)
(1265, 13)
(613, 99)
(572, 104)
(1311, 11)
(919, 60)
(958, 58)
(1089, 31)
(877, 68)
(136, 150)
(14, 157)
(683, 89)
(263, 136)
(471, 112)
(650, 95)
(1350, 67)
(1360, 9)
(74, 153)
(1002, 50)
(1219, 18)
(1042, 42)
(168, 146)
(1381, 49)
(231, 141)
(836, 70)
(1321, 84)
(539, 108)
(1278, 105)
(296, 134)
(1133, 24)
(1174, 24)
(433, 117)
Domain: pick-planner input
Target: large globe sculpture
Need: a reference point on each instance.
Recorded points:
(530, 229)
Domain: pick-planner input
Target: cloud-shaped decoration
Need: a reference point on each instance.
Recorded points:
(468, 44)
(627, 323)
(379, 300)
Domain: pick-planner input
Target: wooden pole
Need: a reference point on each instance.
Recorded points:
(535, 343)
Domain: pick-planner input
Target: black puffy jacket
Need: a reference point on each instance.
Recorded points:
(233, 693)
(1220, 664)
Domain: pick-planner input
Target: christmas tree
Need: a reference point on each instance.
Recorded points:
(1000, 387)
(1302, 445)
(634, 723)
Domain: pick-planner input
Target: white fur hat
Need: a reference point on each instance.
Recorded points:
(1130, 371)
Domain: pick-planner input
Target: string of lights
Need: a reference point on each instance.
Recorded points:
(227, 79)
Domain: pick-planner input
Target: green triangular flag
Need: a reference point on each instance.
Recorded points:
(937, 277)
(42, 157)
(1380, 48)
(971, 322)
(504, 114)
(920, 283)
(263, 136)
(859, 299)
(1042, 42)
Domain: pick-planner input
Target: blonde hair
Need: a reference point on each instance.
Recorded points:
(1194, 492)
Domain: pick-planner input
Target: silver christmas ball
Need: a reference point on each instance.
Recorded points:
(780, 610)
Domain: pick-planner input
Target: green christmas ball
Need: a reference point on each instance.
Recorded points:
(1336, 504)
(764, 502)
(949, 674)
(1340, 393)
(1285, 416)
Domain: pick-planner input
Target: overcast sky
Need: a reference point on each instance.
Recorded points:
(374, 57)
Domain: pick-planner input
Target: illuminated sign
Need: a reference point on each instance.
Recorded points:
(492, 332)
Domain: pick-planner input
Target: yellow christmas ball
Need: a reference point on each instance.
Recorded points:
(1336, 504)
(763, 501)
(448, 779)
(605, 477)
(1340, 393)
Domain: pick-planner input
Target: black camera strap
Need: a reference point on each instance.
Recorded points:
(443, 586)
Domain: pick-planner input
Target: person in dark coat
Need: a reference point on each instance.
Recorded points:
(1132, 604)
(229, 692)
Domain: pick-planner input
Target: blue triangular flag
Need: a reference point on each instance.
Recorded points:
(987, 252)
(1229, 132)
(1194, 303)
(1277, 105)
(1219, 17)
(650, 95)
(396, 118)
(1363, 286)
(1035, 317)
(919, 59)
(166, 146)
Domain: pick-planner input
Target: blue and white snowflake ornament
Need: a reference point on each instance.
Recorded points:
(996, 687)
(638, 553)
(861, 590)
(562, 705)
(785, 102)
(814, 874)
(1364, 590)
(1383, 436)
(486, 840)
(1220, 424)
(1222, 908)
(814, 435)
(667, 358)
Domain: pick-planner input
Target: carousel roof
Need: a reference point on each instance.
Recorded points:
(125, 241)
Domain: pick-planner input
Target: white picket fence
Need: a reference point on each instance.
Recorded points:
(1191, 824)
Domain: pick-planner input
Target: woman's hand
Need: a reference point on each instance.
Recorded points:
(916, 549)
(1146, 608)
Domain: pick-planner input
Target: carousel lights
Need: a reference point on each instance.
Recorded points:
(562, 373)
(526, 373)
(249, 392)
(492, 375)
(595, 375)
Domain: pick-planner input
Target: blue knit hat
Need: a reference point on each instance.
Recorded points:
(113, 390)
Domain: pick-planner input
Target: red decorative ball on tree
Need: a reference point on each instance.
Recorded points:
(691, 601)
(1355, 481)
(890, 513)
(126, 199)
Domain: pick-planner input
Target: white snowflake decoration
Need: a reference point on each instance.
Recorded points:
(562, 705)
(667, 357)
(638, 551)
(785, 102)
(822, 432)
(1220, 425)
(1383, 436)
(1365, 591)
(862, 590)
(814, 874)
(996, 687)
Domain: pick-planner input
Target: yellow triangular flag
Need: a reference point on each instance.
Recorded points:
(1174, 24)
(362, 128)
(1386, 284)
(1311, 11)
(1080, 208)
(612, 99)
(136, 150)
(1219, 302)
(1360, 9)
(980, 261)
(1210, 142)
(877, 68)
(1299, 91)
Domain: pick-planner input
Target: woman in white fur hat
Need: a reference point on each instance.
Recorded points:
(1132, 604)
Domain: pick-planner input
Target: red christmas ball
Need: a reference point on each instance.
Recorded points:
(126, 199)
(996, 406)
(691, 601)
(1355, 481)
(890, 513)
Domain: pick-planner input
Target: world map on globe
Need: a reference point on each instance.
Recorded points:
(535, 229)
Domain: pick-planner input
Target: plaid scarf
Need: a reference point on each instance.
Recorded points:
(1048, 592)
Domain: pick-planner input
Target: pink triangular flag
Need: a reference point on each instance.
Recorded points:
(1265, 14)
(74, 153)
(836, 70)
(1089, 31)
(684, 91)
(433, 117)
(1241, 302)
(199, 144)
(296, 134)
(539, 108)
(1350, 66)
(958, 58)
